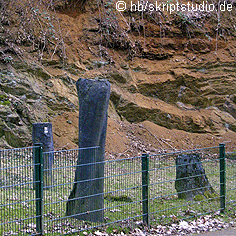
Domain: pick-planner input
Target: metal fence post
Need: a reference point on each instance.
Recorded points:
(38, 152)
(222, 177)
(145, 183)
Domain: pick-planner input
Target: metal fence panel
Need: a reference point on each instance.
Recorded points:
(165, 205)
(57, 193)
(17, 196)
(122, 192)
(135, 190)
(230, 181)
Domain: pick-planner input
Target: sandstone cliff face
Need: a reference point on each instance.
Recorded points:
(171, 78)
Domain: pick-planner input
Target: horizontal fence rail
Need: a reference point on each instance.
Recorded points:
(35, 198)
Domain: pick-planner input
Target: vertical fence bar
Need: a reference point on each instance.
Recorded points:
(145, 183)
(222, 177)
(38, 155)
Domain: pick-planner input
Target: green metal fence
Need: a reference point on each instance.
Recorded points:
(136, 190)
(231, 181)
(17, 196)
(165, 206)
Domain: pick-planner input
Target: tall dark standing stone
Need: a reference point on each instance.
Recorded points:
(191, 179)
(42, 133)
(86, 200)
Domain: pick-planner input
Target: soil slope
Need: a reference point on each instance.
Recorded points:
(172, 75)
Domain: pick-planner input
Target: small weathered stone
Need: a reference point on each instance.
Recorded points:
(191, 180)
(69, 121)
(4, 111)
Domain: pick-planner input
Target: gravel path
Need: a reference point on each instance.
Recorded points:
(224, 232)
(204, 226)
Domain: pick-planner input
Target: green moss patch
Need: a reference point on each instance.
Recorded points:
(121, 198)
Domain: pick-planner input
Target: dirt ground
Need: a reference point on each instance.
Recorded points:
(127, 140)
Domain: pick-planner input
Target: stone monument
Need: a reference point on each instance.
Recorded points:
(191, 179)
(86, 200)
